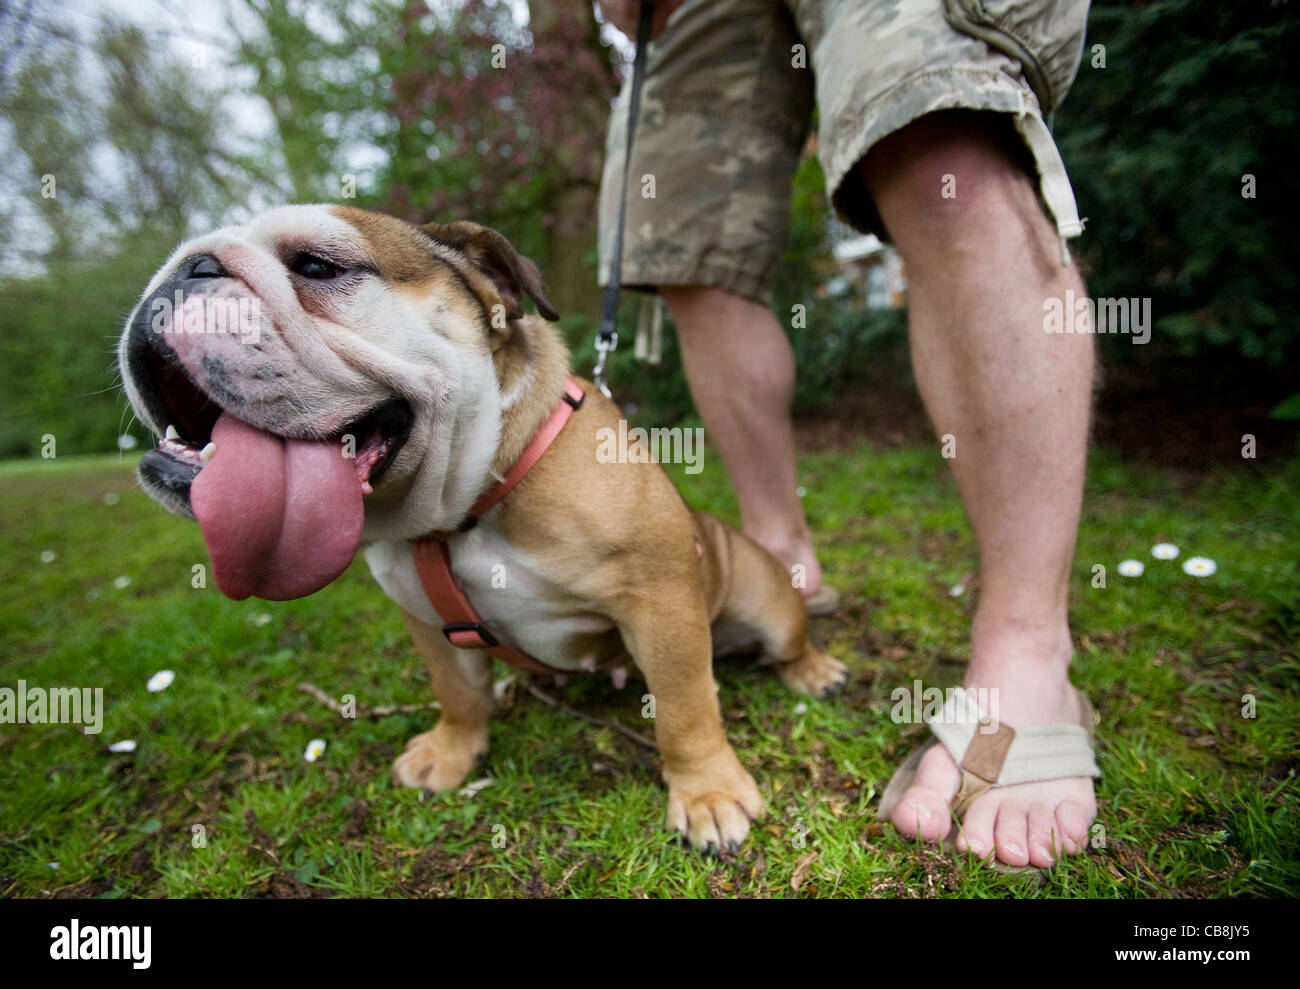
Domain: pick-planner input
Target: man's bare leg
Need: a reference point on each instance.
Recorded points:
(1017, 401)
(740, 369)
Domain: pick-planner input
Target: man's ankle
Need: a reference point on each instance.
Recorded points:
(792, 550)
(1021, 649)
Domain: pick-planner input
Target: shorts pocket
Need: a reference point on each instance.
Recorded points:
(1046, 36)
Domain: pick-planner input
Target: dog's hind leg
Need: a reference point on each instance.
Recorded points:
(758, 595)
(462, 681)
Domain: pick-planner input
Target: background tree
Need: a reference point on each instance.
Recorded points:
(117, 158)
(503, 123)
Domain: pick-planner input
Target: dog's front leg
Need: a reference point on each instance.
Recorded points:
(462, 681)
(711, 797)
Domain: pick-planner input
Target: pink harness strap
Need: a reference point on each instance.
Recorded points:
(462, 626)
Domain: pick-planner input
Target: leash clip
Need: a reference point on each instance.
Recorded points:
(605, 345)
(607, 339)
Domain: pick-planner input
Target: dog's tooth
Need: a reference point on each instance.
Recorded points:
(172, 434)
(206, 453)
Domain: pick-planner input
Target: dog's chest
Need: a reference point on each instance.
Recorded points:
(505, 586)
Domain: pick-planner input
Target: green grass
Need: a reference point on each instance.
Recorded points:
(1196, 800)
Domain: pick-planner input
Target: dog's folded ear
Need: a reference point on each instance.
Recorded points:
(511, 273)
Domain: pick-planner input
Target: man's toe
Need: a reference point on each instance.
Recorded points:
(1044, 839)
(1074, 818)
(977, 828)
(1011, 834)
(922, 811)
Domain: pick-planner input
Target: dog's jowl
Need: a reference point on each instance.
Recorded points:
(382, 390)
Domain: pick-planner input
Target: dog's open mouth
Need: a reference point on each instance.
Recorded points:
(281, 515)
(371, 440)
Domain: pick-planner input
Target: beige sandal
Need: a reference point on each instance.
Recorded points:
(823, 601)
(991, 754)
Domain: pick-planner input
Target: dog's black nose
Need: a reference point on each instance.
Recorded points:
(205, 266)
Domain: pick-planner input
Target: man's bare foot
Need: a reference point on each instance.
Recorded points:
(1029, 823)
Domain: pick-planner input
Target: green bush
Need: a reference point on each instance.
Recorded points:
(1193, 98)
(58, 360)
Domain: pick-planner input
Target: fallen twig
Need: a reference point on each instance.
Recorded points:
(620, 728)
(387, 709)
(362, 711)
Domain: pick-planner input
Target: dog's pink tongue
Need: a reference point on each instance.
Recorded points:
(282, 518)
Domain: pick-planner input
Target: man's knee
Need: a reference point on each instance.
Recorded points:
(694, 295)
(699, 307)
(949, 180)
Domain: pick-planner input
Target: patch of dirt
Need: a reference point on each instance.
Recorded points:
(537, 889)
(87, 889)
(435, 873)
(261, 843)
(141, 864)
(1216, 834)
(881, 414)
(940, 875)
(1190, 422)
(359, 822)
(1185, 420)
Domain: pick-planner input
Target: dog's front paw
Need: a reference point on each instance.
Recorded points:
(712, 803)
(440, 759)
(814, 673)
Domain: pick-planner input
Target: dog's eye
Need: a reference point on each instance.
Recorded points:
(310, 266)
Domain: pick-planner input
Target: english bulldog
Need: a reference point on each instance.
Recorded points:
(368, 381)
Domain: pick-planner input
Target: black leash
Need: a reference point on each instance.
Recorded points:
(607, 339)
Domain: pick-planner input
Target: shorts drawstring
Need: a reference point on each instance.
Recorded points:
(1055, 184)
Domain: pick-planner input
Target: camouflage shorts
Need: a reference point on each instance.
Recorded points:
(729, 92)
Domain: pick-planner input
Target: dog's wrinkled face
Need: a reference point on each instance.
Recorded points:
(319, 375)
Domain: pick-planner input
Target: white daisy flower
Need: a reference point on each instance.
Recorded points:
(111, 498)
(127, 442)
(315, 749)
(126, 745)
(801, 708)
(261, 619)
(48, 556)
(1199, 566)
(1131, 568)
(160, 681)
(801, 491)
(1164, 551)
(121, 582)
(957, 590)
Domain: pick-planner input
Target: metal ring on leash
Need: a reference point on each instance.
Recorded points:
(604, 348)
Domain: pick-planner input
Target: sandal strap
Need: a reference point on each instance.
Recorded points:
(999, 755)
(971, 787)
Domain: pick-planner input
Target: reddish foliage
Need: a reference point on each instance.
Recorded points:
(515, 116)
